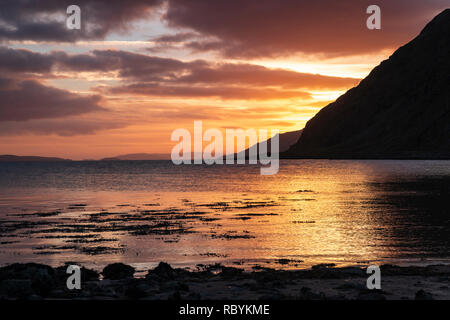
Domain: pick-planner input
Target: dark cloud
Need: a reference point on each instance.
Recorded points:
(249, 74)
(12, 60)
(184, 112)
(256, 28)
(85, 62)
(61, 127)
(175, 38)
(128, 64)
(222, 92)
(171, 41)
(251, 28)
(28, 99)
(6, 83)
(45, 20)
(205, 45)
(144, 67)
(163, 77)
(170, 76)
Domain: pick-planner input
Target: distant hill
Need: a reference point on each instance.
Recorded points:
(286, 140)
(12, 158)
(401, 110)
(139, 156)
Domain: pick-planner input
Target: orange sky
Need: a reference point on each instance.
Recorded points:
(165, 64)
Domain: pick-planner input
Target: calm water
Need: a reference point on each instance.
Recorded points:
(143, 212)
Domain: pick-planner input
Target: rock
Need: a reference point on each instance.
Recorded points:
(353, 271)
(163, 270)
(136, 291)
(43, 278)
(194, 296)
(438, 270)
(14, 288)
(118, 271)
(371, 295)
(175, 286)
(307, 294)
(175, 296)
(351, 286)
(58, 293)
(230, 272)
(323, 266)
(423, 295)
(273, 296)
(86, 274)
(89, 275)
(101, 289)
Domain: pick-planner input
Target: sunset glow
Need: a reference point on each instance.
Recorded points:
(218, 159)
(156, 71)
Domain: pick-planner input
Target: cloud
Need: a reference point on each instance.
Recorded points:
(222, 92)
(166, 70)
(134, 66)
(60, 127)
(28, 99)
(143, 67)
(44, 20)
(249, 74)
(249, 29)
(128, 64)
(12, 60)
(171, 41)
(163, 77)
(262, 28)
(156, 76)
(6, 83)
(168, 113)
(175, 38)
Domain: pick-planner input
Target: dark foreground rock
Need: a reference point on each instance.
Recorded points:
(423, 295)
(322, 282)
(163, 270)
(117, 271)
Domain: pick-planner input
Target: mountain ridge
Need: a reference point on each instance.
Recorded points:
(286, 140)
(14, 158)
(401, 110)
(138, 157)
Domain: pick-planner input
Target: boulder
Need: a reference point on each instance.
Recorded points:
(118, 271)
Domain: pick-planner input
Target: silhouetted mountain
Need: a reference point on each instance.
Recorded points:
(12, 158)
(286, 140)
(401, 110)
(139, 156)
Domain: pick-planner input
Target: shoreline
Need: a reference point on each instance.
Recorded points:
(216, 282)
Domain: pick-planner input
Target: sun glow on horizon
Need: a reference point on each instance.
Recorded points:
(127, 88)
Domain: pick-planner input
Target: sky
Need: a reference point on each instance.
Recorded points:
(139, 69)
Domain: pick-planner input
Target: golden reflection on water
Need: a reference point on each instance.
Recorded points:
(310, 213)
